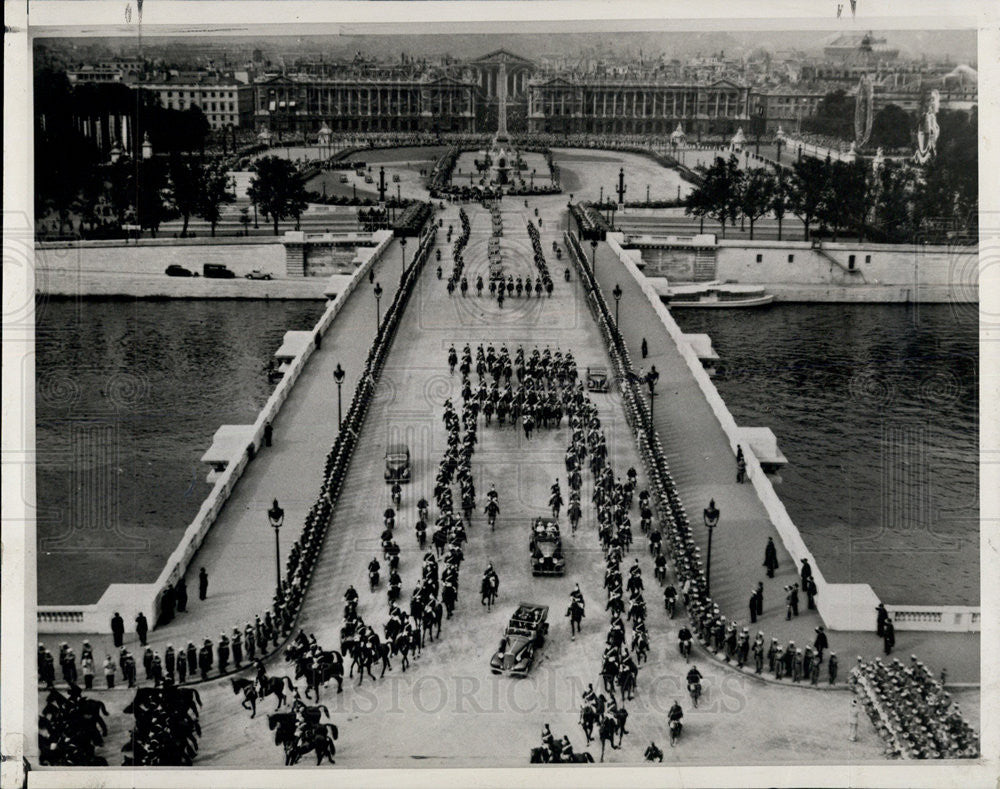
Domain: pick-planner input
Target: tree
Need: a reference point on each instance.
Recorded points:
(151, 194)
(779, 197)
(807, 189)
(757, 195)
(891, 128)
(718, 195)
(852, 190)
(834, 116)
(184, 188)
(213, 191)
(277, 188)
(894, 202)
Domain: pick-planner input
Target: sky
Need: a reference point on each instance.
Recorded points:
(959, 45)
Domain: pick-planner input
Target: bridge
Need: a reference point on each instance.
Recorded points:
(428, 707)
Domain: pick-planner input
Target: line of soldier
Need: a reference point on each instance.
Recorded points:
(914, 714)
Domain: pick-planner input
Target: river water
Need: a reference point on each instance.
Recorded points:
(876, 407)
(128, 397)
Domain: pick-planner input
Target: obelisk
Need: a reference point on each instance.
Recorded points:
(502, 101)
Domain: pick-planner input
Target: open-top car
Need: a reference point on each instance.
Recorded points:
(397, 463)
(597, 379)
(525, 633)
(546, 548)
(258, 274)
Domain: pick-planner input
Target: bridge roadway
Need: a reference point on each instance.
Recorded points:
(448, 710)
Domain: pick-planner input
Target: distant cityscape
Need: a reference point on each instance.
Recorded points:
(707, 94)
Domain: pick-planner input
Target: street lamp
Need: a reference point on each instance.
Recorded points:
(402, 249)
(276, 516)
(617, 293)
(378, 307)
(711, 517)
(647, 194)
(338, 376)
(593, 257)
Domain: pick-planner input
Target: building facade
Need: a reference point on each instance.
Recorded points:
(298, 105)
(565, 104)
(225, 103)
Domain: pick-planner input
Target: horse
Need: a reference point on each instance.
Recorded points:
(588, 717)
(320, 740)
(607, 730)
(249, 688)
(488, 590)
(267, 685)
(575, 614)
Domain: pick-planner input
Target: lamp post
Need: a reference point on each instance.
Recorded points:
(617, 293)
(255, 225)
(402, 249)
(647, 194)
(378, 307)
(338, 376)
(593, 258)
(276, 517)
(711, 517)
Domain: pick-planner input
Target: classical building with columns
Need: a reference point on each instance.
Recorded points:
(302, 104)
(567, 104)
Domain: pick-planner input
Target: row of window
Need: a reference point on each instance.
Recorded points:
(211, 94)
(211, 106)
(851, 259)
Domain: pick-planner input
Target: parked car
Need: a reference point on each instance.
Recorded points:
(369, 179)
(597, 379)
(546, 548)
(258, 274)
(174, 270)
(395, 178)
(343, 178)
(217, 271)
(397, 463)
(525, 633)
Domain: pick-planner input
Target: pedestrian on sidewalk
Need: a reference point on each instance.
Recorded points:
(881, 616)
(141, 628)
(889, 636)
(268, 433)
(810, 590)
(129, 669)
(109, 672)
(741, 465)
(645, 348)
(202, 583)
(854, 719)
(760, 598)
(831, 668)
(795, 599)
(820, 643)
(118, 629)
(770, 557)
(87, 664)
(181, 594)
(753, 606)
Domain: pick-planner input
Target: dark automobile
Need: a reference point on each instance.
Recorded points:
(525, 633)
(397, 463)
(546, 548)
(217, 271)
(173, 270)
(597, 379)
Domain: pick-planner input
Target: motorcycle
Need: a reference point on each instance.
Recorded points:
(566, 275)
(685, 647)
(373, 581)
(440, 272)
(694, 688)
